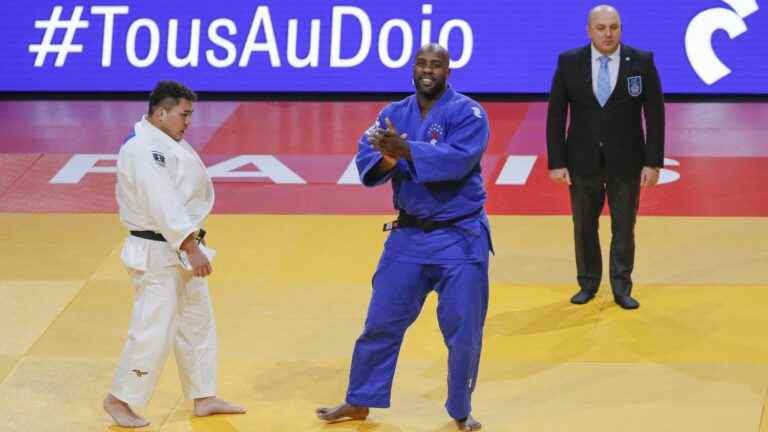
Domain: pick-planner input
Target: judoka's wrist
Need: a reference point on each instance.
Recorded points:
(406, 150)
(189, 243)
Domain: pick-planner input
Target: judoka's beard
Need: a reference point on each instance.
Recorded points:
(429, 93)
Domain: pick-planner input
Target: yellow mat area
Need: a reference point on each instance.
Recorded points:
(290, 294)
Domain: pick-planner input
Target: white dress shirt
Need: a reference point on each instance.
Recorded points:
(613, 67)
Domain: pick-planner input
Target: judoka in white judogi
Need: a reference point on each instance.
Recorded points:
(163, 187)
(164, 195)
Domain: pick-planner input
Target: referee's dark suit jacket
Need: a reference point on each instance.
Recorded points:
(616, 129)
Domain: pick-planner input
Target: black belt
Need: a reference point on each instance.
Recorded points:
(149, 235)
(404, 220)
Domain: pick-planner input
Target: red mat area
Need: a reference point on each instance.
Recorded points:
(293, 158)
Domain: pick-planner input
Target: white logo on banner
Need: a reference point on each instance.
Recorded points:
(515, 171)
(698, 37)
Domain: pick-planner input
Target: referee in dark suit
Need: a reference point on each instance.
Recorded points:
(607, 87)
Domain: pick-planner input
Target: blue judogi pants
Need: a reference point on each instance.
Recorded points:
(399, 291)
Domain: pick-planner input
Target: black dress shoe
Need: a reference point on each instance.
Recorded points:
(582, 297)
(626, 302)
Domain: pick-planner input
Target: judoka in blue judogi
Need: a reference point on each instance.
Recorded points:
(428, 146)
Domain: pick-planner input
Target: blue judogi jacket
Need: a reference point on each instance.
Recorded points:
(441, 181)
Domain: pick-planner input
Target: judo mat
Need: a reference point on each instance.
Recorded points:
(298, 241)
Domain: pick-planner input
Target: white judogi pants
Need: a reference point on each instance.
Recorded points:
(170, 308)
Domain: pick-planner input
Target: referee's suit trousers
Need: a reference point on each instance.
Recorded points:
(588, 195)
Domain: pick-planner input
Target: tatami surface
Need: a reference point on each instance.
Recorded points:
(290, 294)
(292, 278)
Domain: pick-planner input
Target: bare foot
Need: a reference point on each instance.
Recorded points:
(341, 412)
(122, 413)
(212, 405)
(469, 424)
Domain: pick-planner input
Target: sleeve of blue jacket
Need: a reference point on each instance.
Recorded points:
(466, 140)
(367, 159)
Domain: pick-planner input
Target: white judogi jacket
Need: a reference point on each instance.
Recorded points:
(162, 186)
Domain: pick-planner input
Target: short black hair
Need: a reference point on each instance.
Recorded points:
(169, 93)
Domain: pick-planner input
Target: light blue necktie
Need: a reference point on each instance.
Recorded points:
(603, 81)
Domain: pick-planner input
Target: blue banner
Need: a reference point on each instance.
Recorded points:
(508, 46)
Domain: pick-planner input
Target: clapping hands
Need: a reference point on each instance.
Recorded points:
(390, 143)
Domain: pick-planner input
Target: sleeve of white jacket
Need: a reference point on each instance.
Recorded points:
(155, 189)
